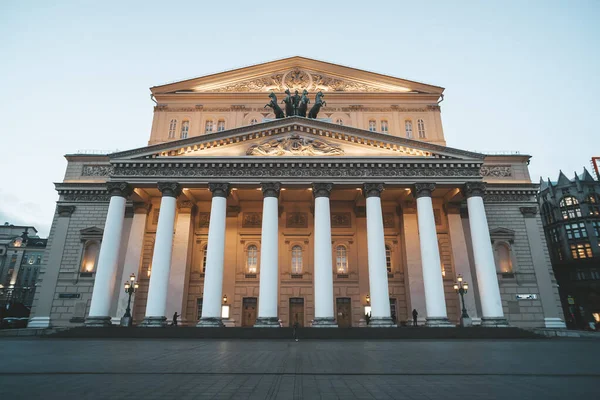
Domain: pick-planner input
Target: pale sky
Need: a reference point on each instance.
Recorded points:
(519, 75)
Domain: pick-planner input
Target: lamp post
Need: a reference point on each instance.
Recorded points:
(461, 287)
(130, 287)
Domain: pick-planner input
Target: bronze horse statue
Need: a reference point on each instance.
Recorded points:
(289, 104)
(318, 104)
(273, 104)
(304, 100)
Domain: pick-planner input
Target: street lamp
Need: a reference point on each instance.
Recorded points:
(130, 288)
(461, 287)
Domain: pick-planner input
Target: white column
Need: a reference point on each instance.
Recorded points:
(109, 255)
(324, 314)
(161, 259)
(485, 267)
(269, 258)
(179, 261)
(378, 279)
(215, 258)
(435, 302)
(133, 257)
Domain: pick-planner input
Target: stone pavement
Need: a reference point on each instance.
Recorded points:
(34, 368)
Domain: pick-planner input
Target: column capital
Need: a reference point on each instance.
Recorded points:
(219, 189)
(529, 212)
(65, 211)
(372, 189)
(474, 189)
(322, 189)
(422, 189)
(121, 189)
(270, 189)
(185, 206)
(169, 189)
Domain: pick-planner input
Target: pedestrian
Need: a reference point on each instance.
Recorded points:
(415, 315)
(175, 316)
(296, 326)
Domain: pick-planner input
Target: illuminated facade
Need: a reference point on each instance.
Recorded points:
(232, 216)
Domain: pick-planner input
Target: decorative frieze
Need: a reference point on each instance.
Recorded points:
(341, 220)
(496, 171)
(203, 219)
(252, 220)
(97, 170)
(508, 195)
(389, 220)
(294, 145)
(296, 220)
(82, 196)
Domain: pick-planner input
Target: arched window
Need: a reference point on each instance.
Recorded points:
(220, 125)
(547, 213)
(253, 121)
(372, 125)
(421, 128)
(408, 128)
(172, 128)
(388, 258)
(339, 121)
(252, 259)
(503, 258)
(185, 128)
(341, 259)
(384, 126)
(569, 207)
(296, 260)
(91, 250)
(208, 126)
(593, 201)
(204, 253)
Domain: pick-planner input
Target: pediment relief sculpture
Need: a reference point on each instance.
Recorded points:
(294, 145)
(299, 79)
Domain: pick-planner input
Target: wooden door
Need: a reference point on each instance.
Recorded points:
(344, 312)
(296, 311)
(249, 311)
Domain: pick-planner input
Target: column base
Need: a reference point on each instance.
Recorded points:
(381, 322)
(97, 322)
(554, 323)
(267, 322)
(327, 322)
(154, 322)
(494, 322)
(212, 322)
(39, 323)
(438, 322)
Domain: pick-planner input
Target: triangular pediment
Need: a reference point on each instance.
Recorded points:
(296, 137)
(296, 73)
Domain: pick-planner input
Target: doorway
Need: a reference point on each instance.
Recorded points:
(249, 311)
(344, 312)
(296, 311)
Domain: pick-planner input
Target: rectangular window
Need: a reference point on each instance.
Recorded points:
(576, 231)
(596, 225)
(581, 250)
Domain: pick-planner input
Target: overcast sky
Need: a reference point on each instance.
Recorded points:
(519, 75)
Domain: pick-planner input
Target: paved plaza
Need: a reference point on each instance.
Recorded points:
(311, 369)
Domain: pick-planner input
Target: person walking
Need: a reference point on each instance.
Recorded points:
(175, 316)
(415, 315)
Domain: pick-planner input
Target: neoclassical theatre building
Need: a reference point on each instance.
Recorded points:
(237, 215)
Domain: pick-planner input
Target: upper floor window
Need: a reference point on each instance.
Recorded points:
(421, 128)
(372, 125)
(384, 126)
(408, 128)
(503, 258)
(339, 121)
(172, 128)
(388, 258)
(208, 126)
(296, 260)
(220, 125)
(554, 235)
(91, 250)
(594, 204)
(341, 259)
(547, 213)
(253, 121)
(204, 253)
(581, 251)
(252, 259)
(185, 128)
(569, 207)
(576, 231)
(596, 225)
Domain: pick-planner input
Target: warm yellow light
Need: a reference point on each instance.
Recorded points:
(135, 286)
(368, 298)
(459, 278)
(127, 285)
(466, 286)
(310, 189)
(89, 266)
(283, 188)
(224, 298)
(149, 272)
(132, 277)
(456, 286)
(233, 188)
(358, 189)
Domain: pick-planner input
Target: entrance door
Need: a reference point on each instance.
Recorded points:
(249, 311)
(344, 312)
(296, 311)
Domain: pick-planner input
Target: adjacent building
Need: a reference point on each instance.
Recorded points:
(571, 215)
(233, 216)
